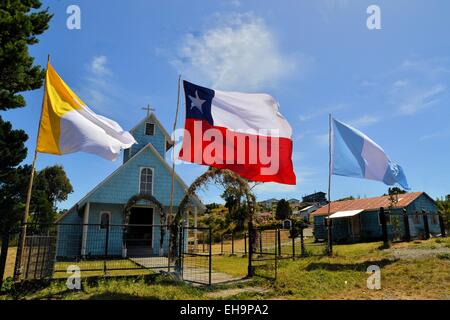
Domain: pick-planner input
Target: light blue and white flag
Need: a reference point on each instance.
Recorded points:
(356, 155)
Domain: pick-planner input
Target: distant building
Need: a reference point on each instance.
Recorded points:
(305, 212)
(359, 220)
(317, 197)
(268, 203)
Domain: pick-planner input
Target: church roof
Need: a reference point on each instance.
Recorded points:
(150, 147)
(154, 119)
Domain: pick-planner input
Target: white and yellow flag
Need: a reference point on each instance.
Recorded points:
(68, 125)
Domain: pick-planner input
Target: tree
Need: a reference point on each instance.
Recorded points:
(395, 191)
(283, 210)
(444, 208)
(237, 210)
(54, 183)
(12, 153)
(346, 198)
(20, 22)
(50, 186)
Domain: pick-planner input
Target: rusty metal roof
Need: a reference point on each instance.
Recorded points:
(367, 203)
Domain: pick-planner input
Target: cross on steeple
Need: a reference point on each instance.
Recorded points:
(148, 109)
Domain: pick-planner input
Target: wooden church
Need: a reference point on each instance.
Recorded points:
(130, 205)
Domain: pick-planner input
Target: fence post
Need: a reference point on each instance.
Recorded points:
(330, 236)
(245, 244)
(384, 228)
(442, 225)
(426, 227)
(251, 239)
(232, 243)
(19, 253)
(203, 241)
(221, 245)
(279, 241)
(260, 242)
(406, 224)
(210, 256)
(302, 242)
(179, 260)
(106, 248)
(293, 247)
(3, 256)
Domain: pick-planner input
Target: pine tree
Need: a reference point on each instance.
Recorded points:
(21, 22)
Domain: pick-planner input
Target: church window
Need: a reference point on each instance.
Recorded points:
(146, 181)
(105, 219)
(149, 129)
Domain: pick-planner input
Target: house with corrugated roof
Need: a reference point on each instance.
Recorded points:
(359, 219)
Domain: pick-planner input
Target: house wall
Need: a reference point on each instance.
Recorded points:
(70, 236)
(341, 231)
(370, 225)
(68, 243)
(423, 203)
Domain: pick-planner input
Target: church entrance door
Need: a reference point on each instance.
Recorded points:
(140, 232)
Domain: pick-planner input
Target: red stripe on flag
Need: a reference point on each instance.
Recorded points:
(254, 157)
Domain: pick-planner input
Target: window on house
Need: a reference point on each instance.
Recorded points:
(416, 218)
(105, 218)
(435, 219)
(146, 181)
(149, 129)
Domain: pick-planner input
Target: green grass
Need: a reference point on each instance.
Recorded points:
(342, 276)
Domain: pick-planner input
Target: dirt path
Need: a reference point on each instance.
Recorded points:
(412, 253)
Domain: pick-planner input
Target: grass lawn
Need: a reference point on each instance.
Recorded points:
(10, 261)
(342, 276)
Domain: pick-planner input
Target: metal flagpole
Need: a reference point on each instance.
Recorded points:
(169, 219)
(173, 148)
(329, 221)
(23, 230)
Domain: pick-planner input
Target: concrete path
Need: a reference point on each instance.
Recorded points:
(190, 273)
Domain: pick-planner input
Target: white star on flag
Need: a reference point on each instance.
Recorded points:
(197, 102)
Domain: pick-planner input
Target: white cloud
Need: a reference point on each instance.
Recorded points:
(98, 66)
(421, 99)
(238, 53)
(364, 121)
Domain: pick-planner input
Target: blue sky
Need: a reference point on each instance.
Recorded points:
(315, 57)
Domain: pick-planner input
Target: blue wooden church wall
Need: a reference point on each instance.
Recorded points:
(113, 193)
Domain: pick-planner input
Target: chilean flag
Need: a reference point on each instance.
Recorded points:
(241, 132)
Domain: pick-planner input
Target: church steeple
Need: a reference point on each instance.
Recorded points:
(149, 130)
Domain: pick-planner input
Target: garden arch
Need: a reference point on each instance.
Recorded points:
(218, 176)
(152, 200)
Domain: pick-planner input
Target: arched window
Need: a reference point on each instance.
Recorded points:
(146, 181)
(105, 219)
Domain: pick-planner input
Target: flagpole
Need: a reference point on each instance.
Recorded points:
(329, 222)
(173, 149)
(26, 213)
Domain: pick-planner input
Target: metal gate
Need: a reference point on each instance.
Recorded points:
(195, 254)
(38, 256)
(264, 257)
